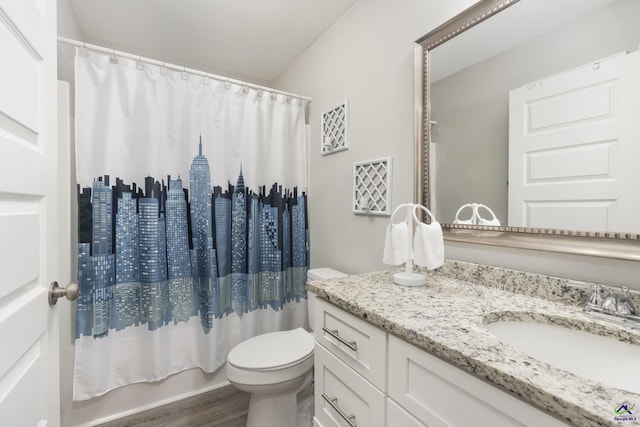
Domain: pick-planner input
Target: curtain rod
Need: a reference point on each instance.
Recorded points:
(174, 67)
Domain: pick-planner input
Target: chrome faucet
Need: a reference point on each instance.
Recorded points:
(617, 308)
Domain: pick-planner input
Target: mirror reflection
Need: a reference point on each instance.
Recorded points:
(476, 214)
(535, 116)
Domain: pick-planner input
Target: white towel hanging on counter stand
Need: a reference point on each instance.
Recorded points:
(402, 234)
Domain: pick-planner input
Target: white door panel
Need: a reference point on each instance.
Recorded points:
(19, 263)
(574, 106)
(579, 215)
(29, 371)
(21, 82)
(574, 141)
(577, 162)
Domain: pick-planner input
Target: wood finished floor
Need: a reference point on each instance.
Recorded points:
(225, 406)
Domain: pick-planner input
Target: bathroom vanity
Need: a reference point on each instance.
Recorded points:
(388, 355)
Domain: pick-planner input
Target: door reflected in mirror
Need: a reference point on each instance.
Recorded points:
(534, 114)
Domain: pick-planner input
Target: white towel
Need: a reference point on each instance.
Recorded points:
(397, 246)
(428, 245)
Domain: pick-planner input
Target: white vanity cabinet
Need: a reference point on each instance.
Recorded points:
(366, 377)
(398, 417)
(439, 394)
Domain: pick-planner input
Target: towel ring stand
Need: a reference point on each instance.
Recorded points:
(408, 277)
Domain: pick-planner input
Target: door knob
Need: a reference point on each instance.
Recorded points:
(71, 292)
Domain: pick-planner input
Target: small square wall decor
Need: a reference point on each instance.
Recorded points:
(372, 187)
(335, 129)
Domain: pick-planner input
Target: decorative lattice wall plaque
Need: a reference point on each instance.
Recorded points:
(372, 187)
(335, 129)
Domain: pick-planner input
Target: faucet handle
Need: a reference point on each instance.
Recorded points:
(596, 297)
(625, 306)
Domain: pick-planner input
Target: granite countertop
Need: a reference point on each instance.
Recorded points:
(447, 318)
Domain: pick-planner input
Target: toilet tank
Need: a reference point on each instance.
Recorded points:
(321, 273)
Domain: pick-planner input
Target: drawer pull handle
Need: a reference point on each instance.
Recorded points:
(334, 333)
(350, 419)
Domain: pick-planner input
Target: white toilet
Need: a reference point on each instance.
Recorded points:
(274, 367)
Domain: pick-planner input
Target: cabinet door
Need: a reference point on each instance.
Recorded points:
(342, 397)
(398, 417)
(359, 344)
(439, 394)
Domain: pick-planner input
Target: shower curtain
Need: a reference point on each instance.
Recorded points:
(192, 220)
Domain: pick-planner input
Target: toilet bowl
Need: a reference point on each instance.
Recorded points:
(275, 367)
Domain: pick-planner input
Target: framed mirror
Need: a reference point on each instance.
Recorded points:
(530, 108)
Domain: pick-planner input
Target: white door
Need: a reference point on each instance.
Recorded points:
(574, 145)
(29, 358)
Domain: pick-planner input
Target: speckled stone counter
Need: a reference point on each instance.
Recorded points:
(447, 318)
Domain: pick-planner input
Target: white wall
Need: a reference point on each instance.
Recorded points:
(67, 27)
(367, 57)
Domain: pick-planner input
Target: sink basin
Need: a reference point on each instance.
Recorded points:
(606, 360)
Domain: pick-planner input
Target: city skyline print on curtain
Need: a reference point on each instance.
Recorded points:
(192, 220)
(166, 253)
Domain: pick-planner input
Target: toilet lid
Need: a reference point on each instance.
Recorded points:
(272, 350)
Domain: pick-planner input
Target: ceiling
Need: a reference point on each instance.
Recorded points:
(252, 40)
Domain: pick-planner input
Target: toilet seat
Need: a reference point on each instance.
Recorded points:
(272, 351)
(270, 359)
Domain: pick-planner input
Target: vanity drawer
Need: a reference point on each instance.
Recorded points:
(340, 393)
(357, 343)
(439, 394)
